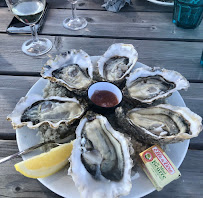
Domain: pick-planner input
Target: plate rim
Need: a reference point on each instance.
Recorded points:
(161, 3)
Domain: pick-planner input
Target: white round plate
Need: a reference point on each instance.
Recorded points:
(63, 185)
(161, 3)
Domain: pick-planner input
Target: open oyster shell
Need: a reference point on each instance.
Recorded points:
(64, 133)
(73, 70)
(100, 164)
(55, 89)
(160, 124)
(149, 84)
(117, 62)
(34, 110)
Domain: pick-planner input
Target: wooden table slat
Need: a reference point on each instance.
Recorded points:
(171, 55)
(124, 25)
(139, 25)
(12, 184)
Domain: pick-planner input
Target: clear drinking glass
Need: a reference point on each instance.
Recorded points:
(29, 12)
(74, 22)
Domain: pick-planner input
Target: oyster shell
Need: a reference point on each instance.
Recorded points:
(160, 124)
(100, 164)
(54, 89)
(149, 84)
(64, 133)
(117, 62)
(73, 70)
(34, 110)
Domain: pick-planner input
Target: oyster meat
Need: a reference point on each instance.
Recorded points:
(73, 70)
(117, 62)
(149, 84)
(34, 110)
(160, 124)
(100, 164)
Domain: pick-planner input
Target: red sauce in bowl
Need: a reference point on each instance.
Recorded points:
(104, 98)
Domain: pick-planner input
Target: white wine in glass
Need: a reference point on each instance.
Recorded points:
(29, 12)
(74, 22)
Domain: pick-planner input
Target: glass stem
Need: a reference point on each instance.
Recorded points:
(35, 38)
(73, 5)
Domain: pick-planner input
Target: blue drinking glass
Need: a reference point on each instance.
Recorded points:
(188, 13)
(201, 61)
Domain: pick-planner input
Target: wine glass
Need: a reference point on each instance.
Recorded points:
(29, 12)
(74, 22)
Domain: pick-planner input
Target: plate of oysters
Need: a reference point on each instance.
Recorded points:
(108, 138)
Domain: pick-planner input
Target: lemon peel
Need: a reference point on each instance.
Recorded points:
(46, 164)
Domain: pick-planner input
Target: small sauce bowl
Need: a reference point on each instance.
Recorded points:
(104, 86)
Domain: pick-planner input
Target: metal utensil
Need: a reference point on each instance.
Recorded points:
(28, 150)
(57, 142)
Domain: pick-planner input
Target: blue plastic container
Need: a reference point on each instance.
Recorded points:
(188, 13)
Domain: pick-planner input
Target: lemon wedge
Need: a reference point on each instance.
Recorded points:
(46, 164)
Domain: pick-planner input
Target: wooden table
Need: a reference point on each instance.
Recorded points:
(159, 43)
